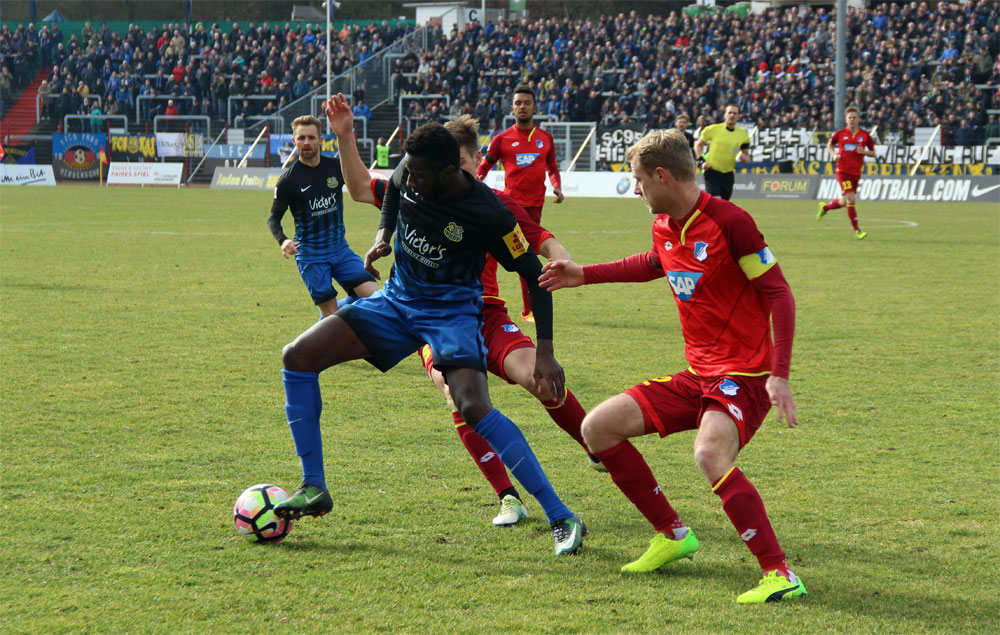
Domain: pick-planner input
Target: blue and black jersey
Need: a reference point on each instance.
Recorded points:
(315, 196)
(441, 245)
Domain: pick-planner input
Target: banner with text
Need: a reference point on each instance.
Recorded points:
(973, 189)
(75, 155)
(14, 174)
(145, 173)
(179, 144)
(133, 147)
(245, 178)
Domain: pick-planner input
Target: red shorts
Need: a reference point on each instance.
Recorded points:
(675, 403)
(534, 212)
(500, 335)
(848, 182)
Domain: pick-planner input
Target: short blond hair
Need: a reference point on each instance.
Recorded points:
(466, 130)
(307, 120)
(667, 149)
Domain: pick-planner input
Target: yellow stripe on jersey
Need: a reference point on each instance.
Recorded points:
(756, 264)
(696, 214)
(731, 372)
(516, 243)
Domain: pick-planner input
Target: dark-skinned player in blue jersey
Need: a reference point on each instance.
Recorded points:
(447, 222)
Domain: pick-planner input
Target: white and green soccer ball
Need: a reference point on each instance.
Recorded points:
(254, 514)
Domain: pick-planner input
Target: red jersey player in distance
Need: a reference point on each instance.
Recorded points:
(849, 147)
(728, 289)
(526, 152)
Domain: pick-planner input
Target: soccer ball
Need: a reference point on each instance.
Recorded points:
(254, 514)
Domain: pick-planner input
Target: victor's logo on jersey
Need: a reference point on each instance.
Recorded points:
(516, 243)
(683, 283)
(729, 387)
(323, 204)
(419, 248)
(700, 251)
(526, 158)
(332, 182)
(454, 232)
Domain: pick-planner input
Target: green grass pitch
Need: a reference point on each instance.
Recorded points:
(141, 338)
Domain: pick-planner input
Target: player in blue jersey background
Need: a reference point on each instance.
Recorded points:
(313, 189)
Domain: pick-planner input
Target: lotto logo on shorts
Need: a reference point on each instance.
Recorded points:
(526, 158)
(683, 283)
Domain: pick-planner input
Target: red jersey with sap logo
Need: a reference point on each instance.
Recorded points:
(533, 232)
(525, 155)
(848, 144)
(710, 259)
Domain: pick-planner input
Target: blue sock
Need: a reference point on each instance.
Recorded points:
(303, 405)
(506, 438)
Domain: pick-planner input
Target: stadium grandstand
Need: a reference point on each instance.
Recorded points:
(911, 65)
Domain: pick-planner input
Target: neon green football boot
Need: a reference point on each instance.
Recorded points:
(308, 500)
(822, 211)
(662, 551)
(861, 235)
(773, 588)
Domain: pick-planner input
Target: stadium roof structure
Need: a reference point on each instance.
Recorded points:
(306, 13)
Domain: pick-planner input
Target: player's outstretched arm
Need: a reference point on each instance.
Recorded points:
(356, 176)
(552, 249)
(781, 399)
(561, 274)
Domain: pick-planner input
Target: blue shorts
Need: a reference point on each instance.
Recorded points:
(345, 266)
(392, 329)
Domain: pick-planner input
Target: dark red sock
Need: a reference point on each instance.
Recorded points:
(568, 416)
(632, 475)
(852, 213)
(488, 461)
(745, 509)
(834, 204)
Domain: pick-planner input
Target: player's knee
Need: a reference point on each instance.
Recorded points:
(595, 430)
(473, 411)
(293, 357)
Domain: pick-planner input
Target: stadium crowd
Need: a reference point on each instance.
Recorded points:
(912, 64)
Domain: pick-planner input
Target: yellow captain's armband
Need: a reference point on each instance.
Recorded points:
(516, 243)
(756, 264)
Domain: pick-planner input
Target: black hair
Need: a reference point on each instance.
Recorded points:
(433, 142)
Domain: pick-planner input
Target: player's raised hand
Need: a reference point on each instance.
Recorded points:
(339, 114)
(781, 399)
(559, 194)
(560, 274)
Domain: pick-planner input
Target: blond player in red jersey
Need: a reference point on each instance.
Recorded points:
(728, 289)
(526, 152)
(849, 147)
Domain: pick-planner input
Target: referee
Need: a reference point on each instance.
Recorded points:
(727, 143)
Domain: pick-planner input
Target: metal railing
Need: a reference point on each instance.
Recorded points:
(167, 119)
(89, 122)
(229, 104)
(167, 98)
(277, 122)
(53, 98)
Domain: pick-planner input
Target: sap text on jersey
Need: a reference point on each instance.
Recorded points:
(421, 249)
(323, 204)
(526, 158)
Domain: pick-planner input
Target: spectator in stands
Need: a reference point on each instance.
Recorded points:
(992, 129)
(362, 110)
(171, 110)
